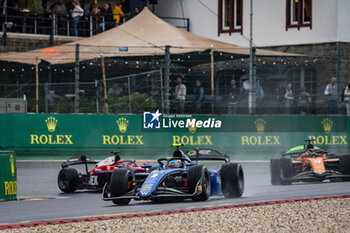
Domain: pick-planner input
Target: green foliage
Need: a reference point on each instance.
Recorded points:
(87, 105)
(31, 105)
(62, 105)
(66, 105)
(7, 91)
(117, 104)
(139, 103)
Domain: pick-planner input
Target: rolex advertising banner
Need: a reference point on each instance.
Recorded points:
(8, 177)
(152, 133)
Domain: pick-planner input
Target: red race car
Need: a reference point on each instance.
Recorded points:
(70, 179)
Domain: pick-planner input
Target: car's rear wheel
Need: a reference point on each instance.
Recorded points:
(68, 180)
(121, 183)
(195, 174)
(232, 180)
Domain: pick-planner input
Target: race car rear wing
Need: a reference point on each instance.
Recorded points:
(78, 160)
(207, 154)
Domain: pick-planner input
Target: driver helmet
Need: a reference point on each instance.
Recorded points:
(176, 163)
(307, 153)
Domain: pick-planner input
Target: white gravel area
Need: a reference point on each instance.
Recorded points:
(330, 215)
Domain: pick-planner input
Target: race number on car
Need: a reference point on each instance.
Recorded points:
(93, 180)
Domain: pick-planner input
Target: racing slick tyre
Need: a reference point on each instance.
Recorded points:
(68, 180)
(199, 173)
(120, 183)
(275, 171)
(344, 165)
(286, 171)
(232, 180)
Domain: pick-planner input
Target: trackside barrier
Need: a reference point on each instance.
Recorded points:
(8, 176)
(259, 137)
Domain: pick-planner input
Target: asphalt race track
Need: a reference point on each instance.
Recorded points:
(38, 180)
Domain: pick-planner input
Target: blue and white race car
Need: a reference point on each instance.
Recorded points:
(179, 176)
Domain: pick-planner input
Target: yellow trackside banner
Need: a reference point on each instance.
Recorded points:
(8, 175)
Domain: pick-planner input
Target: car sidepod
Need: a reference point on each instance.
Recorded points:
(215, 181)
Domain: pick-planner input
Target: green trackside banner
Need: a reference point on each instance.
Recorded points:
(8, 176)
(152, 133)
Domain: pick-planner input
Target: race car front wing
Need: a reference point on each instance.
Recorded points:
(160, 192)
(329, 174)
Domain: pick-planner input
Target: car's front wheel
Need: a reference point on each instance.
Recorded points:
(286, 171)
(195, 174)
(275, 171)
(121, 183)
(281, 170)
(344, 165)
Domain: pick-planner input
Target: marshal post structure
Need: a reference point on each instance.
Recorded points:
(247, 137)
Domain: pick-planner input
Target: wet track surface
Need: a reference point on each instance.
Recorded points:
(39, 180)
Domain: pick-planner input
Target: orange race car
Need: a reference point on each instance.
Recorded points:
(309, 163)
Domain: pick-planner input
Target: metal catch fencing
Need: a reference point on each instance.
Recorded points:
(132, 93)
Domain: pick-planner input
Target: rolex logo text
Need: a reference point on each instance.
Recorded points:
(51, 139)
(260, 140)
(122, 124)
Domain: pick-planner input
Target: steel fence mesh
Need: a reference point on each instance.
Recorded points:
(136, 83)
